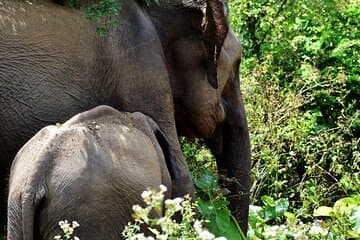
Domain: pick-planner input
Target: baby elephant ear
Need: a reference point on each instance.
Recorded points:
(215, 28)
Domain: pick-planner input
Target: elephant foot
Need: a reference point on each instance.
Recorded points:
(183, 185)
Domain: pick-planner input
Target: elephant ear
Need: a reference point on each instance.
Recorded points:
(215, 27)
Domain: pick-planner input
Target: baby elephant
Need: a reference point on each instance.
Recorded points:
(91, 169)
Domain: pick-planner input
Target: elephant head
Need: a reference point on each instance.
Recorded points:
(192, 34)
(203, 58)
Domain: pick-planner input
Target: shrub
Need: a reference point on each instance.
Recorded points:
(162, 223)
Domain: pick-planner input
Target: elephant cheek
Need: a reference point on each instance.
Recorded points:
(220, 113)
(211, 120)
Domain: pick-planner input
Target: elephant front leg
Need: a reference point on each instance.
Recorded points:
(182, 183)
(231, 147)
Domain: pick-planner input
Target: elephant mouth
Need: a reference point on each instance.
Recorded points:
(201, 124)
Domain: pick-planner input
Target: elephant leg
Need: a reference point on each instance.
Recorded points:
(182, 183)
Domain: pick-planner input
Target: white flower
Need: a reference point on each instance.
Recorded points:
(272, 231)
(197, 226)
(206, 235)
(57, 237)
(163, 188)
(75, 224)
(136, 208)
(76, 238)
(175, 201)
(146, 194)
(317, 230)
(174, 205)
(220, 238)
(162, 237)
(161, 220)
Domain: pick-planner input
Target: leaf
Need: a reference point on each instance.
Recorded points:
(207, 182)
(323, 211)
(281, 206)
(290, 217)
(274, 209)
(344, 205)
(205, 208)
(223, 220)
(220, 222)
(226, 226)
(254, 215)
(355, 219)
(268, 201)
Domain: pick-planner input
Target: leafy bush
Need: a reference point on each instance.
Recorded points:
(101, 13)
(212, 204)
(300, 78)
(158, 218)
(343, 219)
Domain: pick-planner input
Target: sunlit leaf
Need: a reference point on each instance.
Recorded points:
(355, 219)
(323, 211)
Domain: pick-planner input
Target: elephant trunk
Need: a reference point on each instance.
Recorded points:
(234, 171)
(231, 146)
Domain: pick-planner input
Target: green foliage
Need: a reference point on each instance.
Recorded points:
(338, 222)
(161, 219)
(300, 79)
(343, 218)
(212, 204)
(102, 14)
(260, 216)
(213, 207)
(197, 156)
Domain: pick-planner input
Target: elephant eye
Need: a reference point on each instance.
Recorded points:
(204, 62)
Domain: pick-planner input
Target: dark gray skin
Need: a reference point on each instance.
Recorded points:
(204, 109)
(92, 169)
(173, 72)
(54, 65)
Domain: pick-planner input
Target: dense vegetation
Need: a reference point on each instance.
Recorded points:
(301, 83)
(300, 79)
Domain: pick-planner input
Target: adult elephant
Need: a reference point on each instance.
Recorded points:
(206, 89)
(180, 72)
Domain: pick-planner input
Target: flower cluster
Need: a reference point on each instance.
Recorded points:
(169, 219)
(68, 230)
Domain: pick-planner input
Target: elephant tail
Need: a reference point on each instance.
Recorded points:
(31, 200)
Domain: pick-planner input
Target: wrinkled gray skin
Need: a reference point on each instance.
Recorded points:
(214, 114)
(92, 169)
(163, 61)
